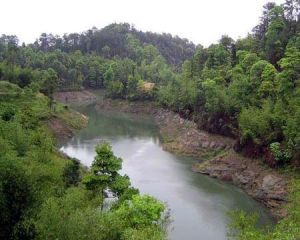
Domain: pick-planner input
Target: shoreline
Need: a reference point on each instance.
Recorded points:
(217, 159)
(215, 153)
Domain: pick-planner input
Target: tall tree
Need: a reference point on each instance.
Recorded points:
(261, 29)
(276, 38)
(105, 172)
(50, 84)
(292, 13)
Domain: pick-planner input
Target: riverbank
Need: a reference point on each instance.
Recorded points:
(75, 97)
(215, 153)
(257, 179)
(64, 121)
(218, 160)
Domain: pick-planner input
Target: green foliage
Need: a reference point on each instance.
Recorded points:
(215, 97)
(275, 35)
(67, 217)
(180, 94)
(7, 112)
(141, 211)
(71, 173)
(16, 195)
(292, 129)
(104, 173)
(289, 77)
(218, 56)
(50, 83)
(28, 169)
(41, 196)
(244, 227)
(263, 125)
(150, 233)
(247, 61)
(73, 217)
(8, 90)
(115, 89)
(250, 86)
(280, 155)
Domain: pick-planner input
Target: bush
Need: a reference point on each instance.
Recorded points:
(71, 174)
(15, 195)
(115, 89)
(7, 112)
(281, 156)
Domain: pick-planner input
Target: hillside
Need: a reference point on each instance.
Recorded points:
(246, 89)
(119, 40)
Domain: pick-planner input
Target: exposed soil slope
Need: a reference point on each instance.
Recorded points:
(75, 97)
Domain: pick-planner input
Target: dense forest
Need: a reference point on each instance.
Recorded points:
(247, 88)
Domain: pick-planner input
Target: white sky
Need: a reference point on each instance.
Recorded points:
(201, 21)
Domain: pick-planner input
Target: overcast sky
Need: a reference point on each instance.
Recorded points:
(201, 21)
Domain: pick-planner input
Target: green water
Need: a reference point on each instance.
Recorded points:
(199, 204)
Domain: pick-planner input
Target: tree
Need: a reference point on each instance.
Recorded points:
(71, 174)
(133, 81)
(290, 64)
(269, 85)
(261, 29)
(106, 51)
(276, 38)
(292, 13)
(104, 172)
(198, 60)
(218, 56)
(25, 77)
(16, 195)
(50, 84)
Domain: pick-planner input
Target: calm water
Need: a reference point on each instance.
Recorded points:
(198, 204)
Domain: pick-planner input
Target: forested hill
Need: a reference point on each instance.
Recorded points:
(247, 89)
(119, 40)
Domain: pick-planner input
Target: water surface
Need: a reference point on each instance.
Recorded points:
(199, 204)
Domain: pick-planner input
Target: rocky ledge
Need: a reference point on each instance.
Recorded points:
(222, 162)
(258, 180)
(215, 153)
(182, 136)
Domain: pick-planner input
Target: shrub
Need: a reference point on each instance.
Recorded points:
(281, 156)
(71, 174)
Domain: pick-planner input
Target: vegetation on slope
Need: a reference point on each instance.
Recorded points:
(244, 227)
(44, 195)
(248, 89)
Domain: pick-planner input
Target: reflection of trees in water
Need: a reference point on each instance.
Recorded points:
(118, 124)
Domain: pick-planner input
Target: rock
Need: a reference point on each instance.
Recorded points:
(205, 144)
(212, 144)
(260, 182)
(226, 177)
(269, 182)
(278, 196)
(182, 136)
(245, 177)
